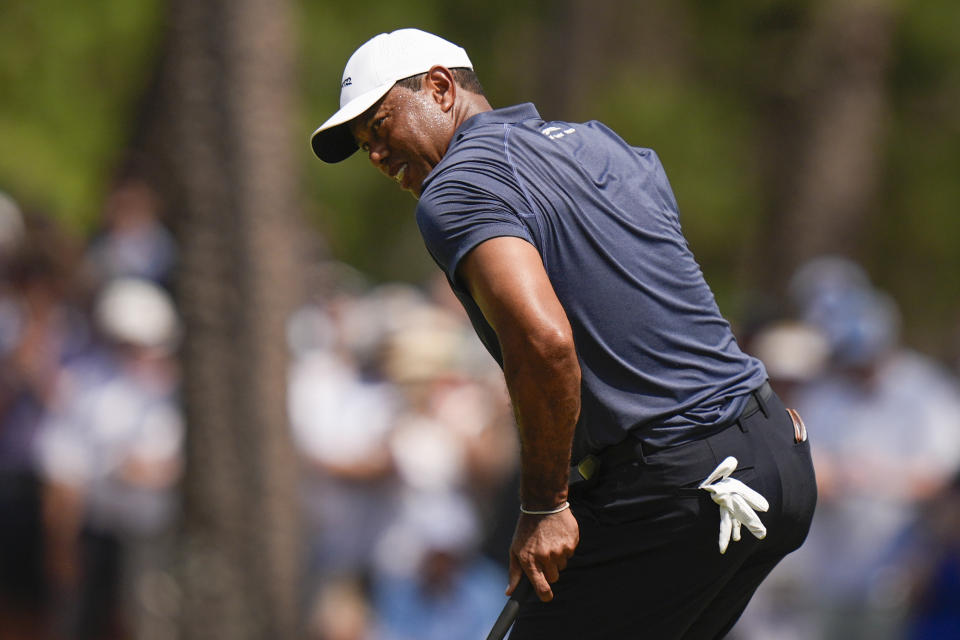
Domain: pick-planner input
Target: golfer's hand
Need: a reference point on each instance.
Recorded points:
(541, 547)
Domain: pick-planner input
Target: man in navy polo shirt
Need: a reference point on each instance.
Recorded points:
(642, 425)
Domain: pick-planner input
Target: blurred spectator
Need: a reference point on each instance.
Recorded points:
(340, 612)
(931, 566)
(133, 242)
(391, 410)
(341, 423)
(40, 330)
(110, 453)
(431, 584)
(455, 430)
(884, 426)
(451, 456)
(341, 412)
(793, 352)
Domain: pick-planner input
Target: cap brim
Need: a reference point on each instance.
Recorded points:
(332, 141)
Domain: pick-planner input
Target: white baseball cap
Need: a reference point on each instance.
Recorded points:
(370, 73)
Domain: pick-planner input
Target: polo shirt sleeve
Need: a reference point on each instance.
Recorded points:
(463, 208)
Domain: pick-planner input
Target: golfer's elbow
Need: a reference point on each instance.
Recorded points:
(550, 350)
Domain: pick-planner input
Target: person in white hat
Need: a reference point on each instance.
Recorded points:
(384, 61)
(564, 245)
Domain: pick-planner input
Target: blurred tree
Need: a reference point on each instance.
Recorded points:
(227, 89)
(828, 125)
(825, 150)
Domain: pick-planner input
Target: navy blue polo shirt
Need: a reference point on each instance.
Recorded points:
(656, 356)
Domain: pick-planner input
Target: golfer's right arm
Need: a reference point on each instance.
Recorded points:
(507, 279)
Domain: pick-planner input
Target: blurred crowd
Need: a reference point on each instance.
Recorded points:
(401, 420)
(90, 429)
(882, 559)
(404, 426)
(409, 453)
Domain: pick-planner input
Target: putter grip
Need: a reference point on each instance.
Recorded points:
(510, 610)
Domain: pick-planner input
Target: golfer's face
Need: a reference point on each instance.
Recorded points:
(402, 135)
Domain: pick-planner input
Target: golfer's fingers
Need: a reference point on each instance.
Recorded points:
(516, 574)
(539, 581)
(551, 572)
(561, 562)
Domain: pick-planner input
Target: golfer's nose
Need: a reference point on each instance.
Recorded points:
(378, 153)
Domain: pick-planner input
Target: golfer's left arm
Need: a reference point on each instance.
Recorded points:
(507, 279)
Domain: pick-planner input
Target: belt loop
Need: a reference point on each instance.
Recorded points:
(758, 394)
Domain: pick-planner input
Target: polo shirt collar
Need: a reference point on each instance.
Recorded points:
(506, 115)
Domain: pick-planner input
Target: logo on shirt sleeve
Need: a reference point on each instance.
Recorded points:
(555, 133)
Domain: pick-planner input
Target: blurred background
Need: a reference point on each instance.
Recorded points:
(236, 400)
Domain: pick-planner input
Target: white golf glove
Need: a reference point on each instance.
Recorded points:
(738, 503)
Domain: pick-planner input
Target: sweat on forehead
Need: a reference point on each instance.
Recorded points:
(361, 122)
(364, 118)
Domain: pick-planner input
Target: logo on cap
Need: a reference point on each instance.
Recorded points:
(346, 83)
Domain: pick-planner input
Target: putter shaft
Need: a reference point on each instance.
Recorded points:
(510, 610)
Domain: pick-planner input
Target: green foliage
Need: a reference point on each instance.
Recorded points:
(363, 217)
(917, 240)
(71, 73)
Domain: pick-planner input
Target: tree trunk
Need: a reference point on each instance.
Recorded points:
(825, 142)
(228, 86)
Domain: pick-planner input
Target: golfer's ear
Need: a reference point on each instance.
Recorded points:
(442, 86)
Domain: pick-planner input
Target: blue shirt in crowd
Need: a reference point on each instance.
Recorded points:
(656, 356)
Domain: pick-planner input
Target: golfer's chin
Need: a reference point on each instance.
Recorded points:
(414, 191)
(412, 184)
